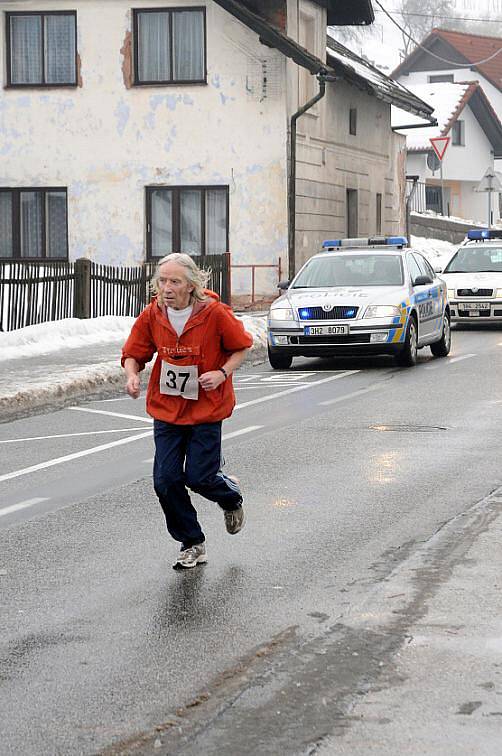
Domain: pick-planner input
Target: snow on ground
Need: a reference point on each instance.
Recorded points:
(436, 251)
(71, 333)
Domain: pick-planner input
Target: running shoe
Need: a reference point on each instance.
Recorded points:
(234, 520)
(191, 557)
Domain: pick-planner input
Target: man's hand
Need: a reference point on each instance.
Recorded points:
(211, 380)
(133, 386)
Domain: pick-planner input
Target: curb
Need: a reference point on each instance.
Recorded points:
(72, 390)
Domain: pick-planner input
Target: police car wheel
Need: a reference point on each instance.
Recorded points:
(407, 357)
(441, 348)
(279, 361)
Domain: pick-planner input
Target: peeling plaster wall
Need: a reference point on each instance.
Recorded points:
(330, 161)
(105, 142)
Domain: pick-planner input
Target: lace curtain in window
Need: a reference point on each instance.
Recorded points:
(190, 222)
(31, 224)
(59, 49)
(56, 224)
(5, 224)
(26, 49)
(188, 45)
(216, 221)
(162, 229)
(153, 47)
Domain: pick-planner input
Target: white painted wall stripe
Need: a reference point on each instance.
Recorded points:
(69, 457)
(22, 505)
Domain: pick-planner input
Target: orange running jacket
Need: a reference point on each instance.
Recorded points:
(210, 335)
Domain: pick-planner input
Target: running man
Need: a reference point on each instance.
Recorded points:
(199, 343)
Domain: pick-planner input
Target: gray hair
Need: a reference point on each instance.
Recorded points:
(196, 276)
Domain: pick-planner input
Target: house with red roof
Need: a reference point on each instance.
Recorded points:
(460, 75)
(451, 56)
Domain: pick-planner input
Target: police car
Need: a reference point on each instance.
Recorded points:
(360, 296)
(473, 277)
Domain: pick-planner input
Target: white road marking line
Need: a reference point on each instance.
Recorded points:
(462, 357)
(241, 432)
(117, 399)
(237, 406)
(69, 457)
(22, 505)
(448, 361)
(112, 414)
(68, 435)
(224, 437)
(351, 396)
(250, 386)
(95, 449)
(296, 388)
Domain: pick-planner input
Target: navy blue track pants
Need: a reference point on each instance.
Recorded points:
(189, 456)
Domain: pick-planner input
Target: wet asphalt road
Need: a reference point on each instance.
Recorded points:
(347, 467)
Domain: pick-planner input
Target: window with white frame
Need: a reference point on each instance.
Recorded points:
(191, 219)
(169, 45)
(41, 48)
(33, 223)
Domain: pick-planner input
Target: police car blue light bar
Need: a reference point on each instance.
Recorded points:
(481, 234)
(372, 241)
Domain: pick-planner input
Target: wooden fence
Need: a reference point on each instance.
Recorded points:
(40, 291)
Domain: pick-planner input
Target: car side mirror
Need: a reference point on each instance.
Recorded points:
(283, 285)
(422, 281)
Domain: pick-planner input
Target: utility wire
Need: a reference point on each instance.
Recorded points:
(444, 18)
(438, 57)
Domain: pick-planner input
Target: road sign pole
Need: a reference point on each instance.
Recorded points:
(442, 186)
(489, 192)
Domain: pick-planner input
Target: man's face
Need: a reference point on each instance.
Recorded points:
(174, 287)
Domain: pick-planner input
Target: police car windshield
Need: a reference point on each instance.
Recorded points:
(476, 260)
(351, 270)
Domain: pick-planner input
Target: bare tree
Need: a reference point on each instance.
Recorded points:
(419, 17)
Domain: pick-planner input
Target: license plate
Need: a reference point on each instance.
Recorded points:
(474, 306)
(332, 330)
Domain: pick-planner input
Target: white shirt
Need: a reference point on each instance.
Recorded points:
(178, 318)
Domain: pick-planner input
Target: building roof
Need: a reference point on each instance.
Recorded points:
(460, 47)
(339, 61)
(448, 101)
(363, 75)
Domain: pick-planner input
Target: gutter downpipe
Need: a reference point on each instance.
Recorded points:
(322, 77)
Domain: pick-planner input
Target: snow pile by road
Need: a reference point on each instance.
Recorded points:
(54, 364)
(436, 251)
(72, 333)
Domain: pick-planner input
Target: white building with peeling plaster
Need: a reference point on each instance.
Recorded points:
(126, 134)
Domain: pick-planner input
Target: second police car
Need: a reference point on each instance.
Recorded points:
(361, 296)
(473, 278)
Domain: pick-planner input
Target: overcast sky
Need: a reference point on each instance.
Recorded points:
(382, 42)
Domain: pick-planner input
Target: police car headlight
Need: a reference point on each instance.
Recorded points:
(382, 311)
(499, 294)
(451, 293)
(281, 313)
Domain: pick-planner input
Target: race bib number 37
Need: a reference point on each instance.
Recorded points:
(179, 380)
